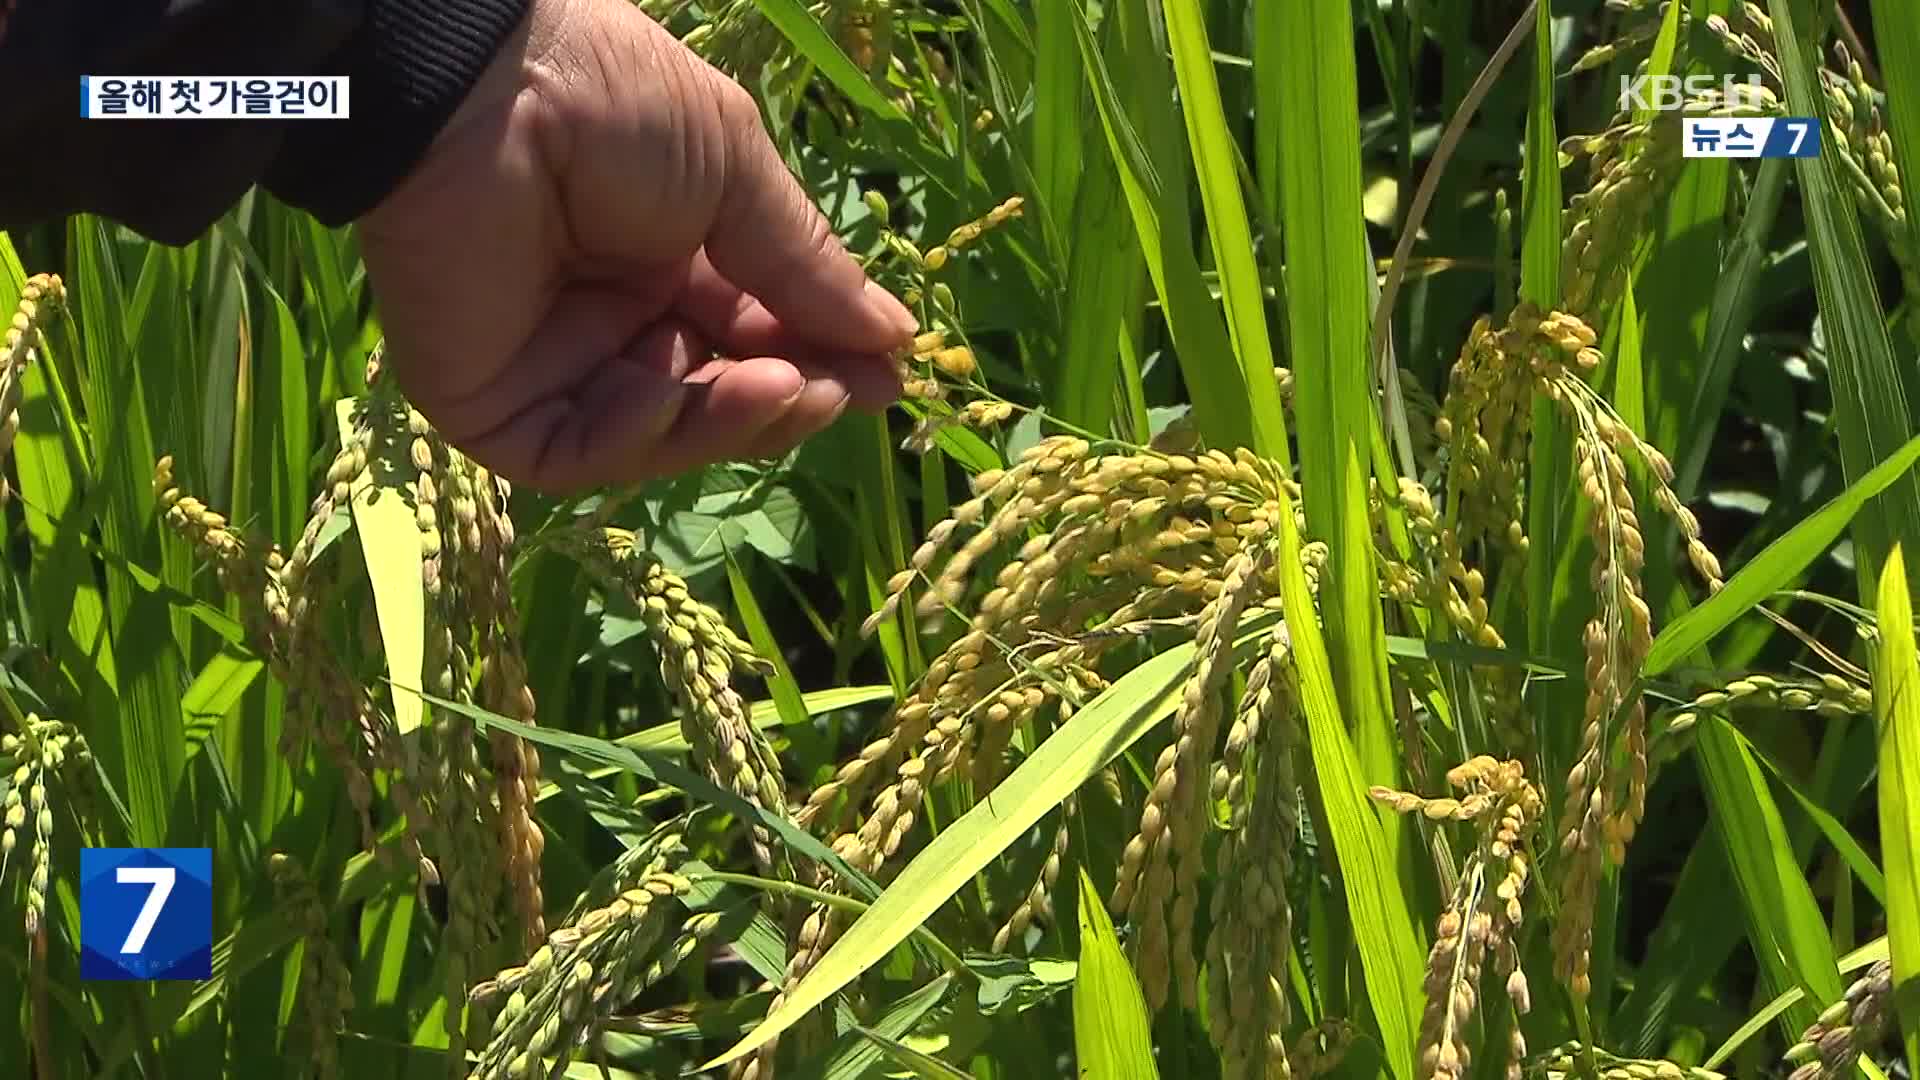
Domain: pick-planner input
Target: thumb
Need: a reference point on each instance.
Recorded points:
(773, 243)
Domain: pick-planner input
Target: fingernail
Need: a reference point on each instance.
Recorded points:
(665, 411)
(890, 308)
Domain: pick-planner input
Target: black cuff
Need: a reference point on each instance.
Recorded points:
(411, 63)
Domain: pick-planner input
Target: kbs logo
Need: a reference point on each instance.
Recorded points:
(146, 913)
(1665, 93)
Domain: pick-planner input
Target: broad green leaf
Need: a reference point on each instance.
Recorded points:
(1865, 956)
(855, 1053)
(1013, 984)
(660, 770)
(1677, 283)
(1736, 293)
(1329, 308)
(1377, 911)
(1076, 750)
(286, 435)
(1844, 845)
(1896, 699)
(1102, 283)
(1215, 162)
(1058, 129)
(812, 39)
(121, 330)
(965, 446)
(734, 509)
(1112, 1035)
(1777, 565)
(669, 738)
(1540, 202)
(922, 1065)
(786, 692)
(1870, 407)
(1784, 922)
(214, 692)
(1629, 374)
(390, 541)
(1161, 219)
(1661, 61)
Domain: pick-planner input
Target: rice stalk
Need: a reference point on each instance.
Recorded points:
(41, 300)
(467, 823)
(1252, 919)
(603, 957)
(1483, 916)
(326, 990)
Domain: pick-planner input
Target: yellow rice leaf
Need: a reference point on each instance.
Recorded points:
(390, 540)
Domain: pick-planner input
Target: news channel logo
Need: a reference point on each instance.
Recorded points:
(213, 97)
(146, 913)
(1668, 93)
(1751, 137)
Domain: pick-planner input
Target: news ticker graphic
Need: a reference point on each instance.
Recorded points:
(213, 97)
(1751, 137)
(146, 913)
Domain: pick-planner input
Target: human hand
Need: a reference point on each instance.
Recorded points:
(601, 219)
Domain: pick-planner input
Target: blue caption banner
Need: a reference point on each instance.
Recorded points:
(146, 913)
(1751, 137)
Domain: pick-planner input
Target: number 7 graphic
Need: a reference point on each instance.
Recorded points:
(161, 878)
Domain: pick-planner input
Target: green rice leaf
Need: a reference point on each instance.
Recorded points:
(1215, 161)
(214, 692)
(787, 698)
(1329, 309)
(657, 768)
(812, 39)
(920, 1064)
(667, 738)
(1076, 750)
(1789, 935)
(1896, 699)
(1777, 565)
(1870, 407)
(1377, 910)
(1864, 956)
(1104, 278)
(1844, 845)
(1222, 411)
(1111, 1033)
(855, 1053)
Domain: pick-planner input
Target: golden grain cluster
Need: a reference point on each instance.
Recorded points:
(43, 298)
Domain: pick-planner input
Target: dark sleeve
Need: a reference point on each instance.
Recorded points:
(410, 62)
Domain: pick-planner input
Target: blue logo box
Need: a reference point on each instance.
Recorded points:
(146, 913)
